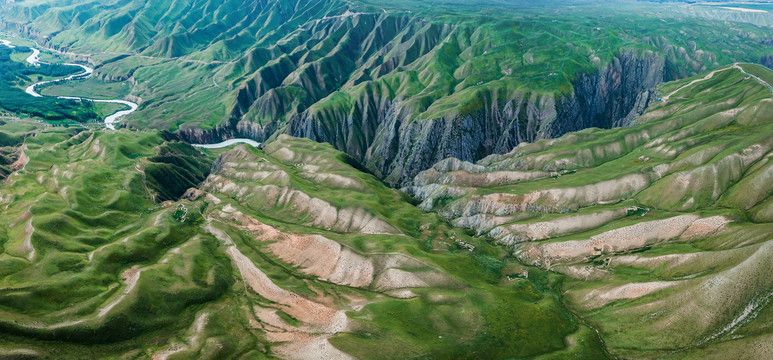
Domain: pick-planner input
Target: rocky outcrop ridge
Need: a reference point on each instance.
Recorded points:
(354, 91)
(396, 144)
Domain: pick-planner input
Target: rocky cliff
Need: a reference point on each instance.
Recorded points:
(612, 97)
(395, 143)
(400, 93)
(767, 61)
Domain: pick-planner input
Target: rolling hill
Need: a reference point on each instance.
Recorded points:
(662, 228)
(287, 251)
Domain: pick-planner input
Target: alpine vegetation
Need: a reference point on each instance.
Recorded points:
(355, 179)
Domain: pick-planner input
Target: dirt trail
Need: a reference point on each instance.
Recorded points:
(314, 254)
(328, 260)
(316, 212)
(26, 245)
(763, 82)
(515, 233)
(707, 77)
(711, 74)
(130, 277)
(22, 161)
(613, 241)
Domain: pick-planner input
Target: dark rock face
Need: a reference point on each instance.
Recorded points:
(395, 145)
(305, 94)
(405, 147)
(401, 146)
(342, 79)
(220, 133)
(767, 61)
(229, 130)
(613, 97)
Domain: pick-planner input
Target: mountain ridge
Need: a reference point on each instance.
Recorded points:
(356, 73)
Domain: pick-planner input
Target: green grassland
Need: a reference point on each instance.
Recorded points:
(479, 56)
(91, 88)
(100, 257)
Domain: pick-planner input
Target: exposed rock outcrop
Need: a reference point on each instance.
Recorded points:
(767, 60)
(358, 96)
(398, 145)
(403, 145)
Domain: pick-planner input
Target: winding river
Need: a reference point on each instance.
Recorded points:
(228, 143)
(34, 60)
(110, 121)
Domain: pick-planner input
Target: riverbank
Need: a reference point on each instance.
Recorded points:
(109, 121)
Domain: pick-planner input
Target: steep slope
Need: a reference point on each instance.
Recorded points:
(397, 87)
(663, 228)
(12, 156)
(289, 251)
